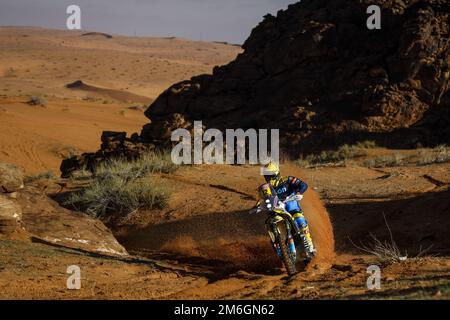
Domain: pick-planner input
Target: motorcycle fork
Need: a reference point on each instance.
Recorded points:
(274, 233)
(272, 228)
(290, 240)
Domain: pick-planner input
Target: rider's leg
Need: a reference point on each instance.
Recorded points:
(302, 224)
(297, 213)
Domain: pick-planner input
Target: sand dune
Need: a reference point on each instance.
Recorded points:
(116, 73)
(37, 137)
(43, 61)
(118, 95)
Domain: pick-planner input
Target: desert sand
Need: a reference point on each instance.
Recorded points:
(198, 247)
(117, 73)
(210, 247)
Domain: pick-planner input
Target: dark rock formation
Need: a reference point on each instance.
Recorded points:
(317, 73)
(114, 145)
(323, 78)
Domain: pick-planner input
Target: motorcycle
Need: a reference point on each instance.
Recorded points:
(287, 240)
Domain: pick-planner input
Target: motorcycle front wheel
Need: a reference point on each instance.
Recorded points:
(288, 261)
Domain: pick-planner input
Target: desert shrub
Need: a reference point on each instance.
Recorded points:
(302, 162)
(157, 162)
(149, 163)
(37, 101)
(343, 154)
(440, 154)
(385, 161)
(40, 176)
(387, 250)
(116, 195)
(122, 187)
(81, 174)
(366, 144)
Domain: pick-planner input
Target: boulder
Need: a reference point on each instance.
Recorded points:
(108, 136)
(10, 215)
(114, 145)
(29, 210)
(44, 219)
(11, 178)
(319, 56)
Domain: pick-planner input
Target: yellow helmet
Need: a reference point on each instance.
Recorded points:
(271, 171)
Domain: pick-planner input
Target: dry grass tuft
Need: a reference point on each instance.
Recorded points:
(388, 250)
(121, 187)
(341, 155)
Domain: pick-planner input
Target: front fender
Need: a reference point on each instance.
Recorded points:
(272, 224)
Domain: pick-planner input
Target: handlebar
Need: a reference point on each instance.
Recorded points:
(294, 197)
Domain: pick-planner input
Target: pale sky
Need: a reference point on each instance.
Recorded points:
(208, 20)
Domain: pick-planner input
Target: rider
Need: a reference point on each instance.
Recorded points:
(285, 187)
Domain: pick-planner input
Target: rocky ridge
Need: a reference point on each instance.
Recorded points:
(317, 73)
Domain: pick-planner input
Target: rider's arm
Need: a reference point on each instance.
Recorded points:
(298, 185)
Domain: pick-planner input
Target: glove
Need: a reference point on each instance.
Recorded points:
(299, 197)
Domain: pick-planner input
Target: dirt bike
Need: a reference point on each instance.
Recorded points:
(284, 233)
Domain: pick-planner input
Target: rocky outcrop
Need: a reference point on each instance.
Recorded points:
(10, 215)
(44, 219)
(28, 211)
(11, 180)
(114, 145)
(316, 72)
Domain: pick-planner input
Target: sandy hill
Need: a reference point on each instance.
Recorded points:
(44, 61)
(109, 74)
(98, 92)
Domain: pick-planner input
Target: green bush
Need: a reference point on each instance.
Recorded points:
(117, 195)
(122, 187)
